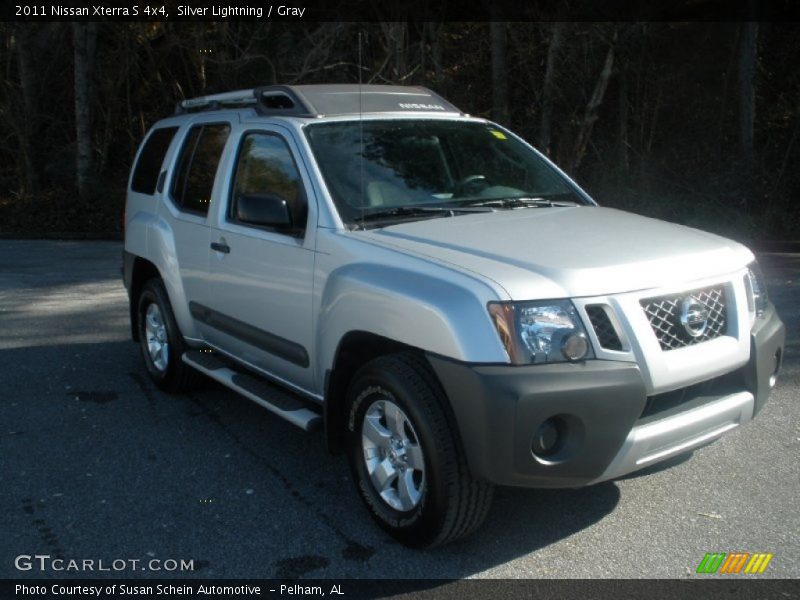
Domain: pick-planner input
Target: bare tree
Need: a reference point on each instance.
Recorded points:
(548, 86)
(321, 42)
(431, 48)
(748, 49)
(395, 46)
(28, 45)
(590, 114)
(84, 39)
(624, 160)
(499, 72)
(435, 30)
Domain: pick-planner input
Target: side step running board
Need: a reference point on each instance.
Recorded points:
(282, 403)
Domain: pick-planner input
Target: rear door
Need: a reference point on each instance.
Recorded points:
(191, 184)
(262, 277)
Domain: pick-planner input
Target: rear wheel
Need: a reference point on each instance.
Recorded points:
(161, 341)
(406, 456)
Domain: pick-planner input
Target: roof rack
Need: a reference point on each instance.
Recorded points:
(267, 100)
(319, 100)
(236, 99)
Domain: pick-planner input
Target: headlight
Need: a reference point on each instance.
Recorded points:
(756, 290)
(539, 332)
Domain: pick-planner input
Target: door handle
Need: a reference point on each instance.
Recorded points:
(221, 247)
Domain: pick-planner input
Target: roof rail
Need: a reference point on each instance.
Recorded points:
(319, 100)
(237, 99)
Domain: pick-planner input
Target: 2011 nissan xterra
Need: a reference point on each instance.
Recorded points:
(447, 305)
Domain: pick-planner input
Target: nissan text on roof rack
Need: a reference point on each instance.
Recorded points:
(435, 296)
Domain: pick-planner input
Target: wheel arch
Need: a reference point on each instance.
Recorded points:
(355, 349)
(142, 271)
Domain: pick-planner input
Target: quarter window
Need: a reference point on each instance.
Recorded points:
(265, 167)
(197, 167)
(148, 167)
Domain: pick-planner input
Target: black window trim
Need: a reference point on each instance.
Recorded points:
(297, 232)
(175, 165)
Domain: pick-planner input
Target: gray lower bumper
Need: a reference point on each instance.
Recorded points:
(662, 439)
(600, 408)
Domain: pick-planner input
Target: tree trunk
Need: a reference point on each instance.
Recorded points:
(395, 39)
(437, 54)
(748, 50)
(27, 39)
(590, 116)
(624, 161)
(499, 72)
(548, 87)
(727, 77)
(84, 38)
(433, 50)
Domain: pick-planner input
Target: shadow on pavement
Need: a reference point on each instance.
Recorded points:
(95, 448)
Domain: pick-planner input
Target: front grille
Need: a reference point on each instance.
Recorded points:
(603, 328)
(664, 314)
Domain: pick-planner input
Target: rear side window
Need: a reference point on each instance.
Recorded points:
(145, 175)
(197, 167)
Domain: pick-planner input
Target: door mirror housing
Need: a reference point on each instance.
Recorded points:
(264, 210)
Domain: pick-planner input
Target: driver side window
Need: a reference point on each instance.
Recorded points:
(266, 170)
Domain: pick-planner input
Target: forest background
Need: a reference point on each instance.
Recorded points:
(693, 122)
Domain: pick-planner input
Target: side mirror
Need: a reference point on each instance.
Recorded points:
(265, 210)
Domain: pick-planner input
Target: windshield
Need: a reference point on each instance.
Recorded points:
(412, 169)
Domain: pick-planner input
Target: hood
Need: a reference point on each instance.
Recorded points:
(567, 251)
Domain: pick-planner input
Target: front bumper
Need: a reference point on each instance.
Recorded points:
(607, 424)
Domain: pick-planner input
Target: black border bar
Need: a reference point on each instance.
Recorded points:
(740, 587)
(406, 10)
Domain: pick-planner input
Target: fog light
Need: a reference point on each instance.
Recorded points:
(575, 346)
(546, 439)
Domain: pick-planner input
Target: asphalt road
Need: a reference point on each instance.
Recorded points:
(95, 463)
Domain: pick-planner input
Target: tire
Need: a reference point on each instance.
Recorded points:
(158, 330)
(418, 487)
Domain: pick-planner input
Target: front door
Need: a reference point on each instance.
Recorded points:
(261, 277)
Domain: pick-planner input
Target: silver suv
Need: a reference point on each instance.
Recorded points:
(447, 305)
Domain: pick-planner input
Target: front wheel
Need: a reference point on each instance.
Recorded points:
(161, 341)
(406, 456)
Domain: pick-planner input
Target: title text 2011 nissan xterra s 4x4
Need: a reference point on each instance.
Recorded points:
(441, 299)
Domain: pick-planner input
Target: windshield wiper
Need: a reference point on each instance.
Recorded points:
(404, 211)
(420, 211)
(524, 202)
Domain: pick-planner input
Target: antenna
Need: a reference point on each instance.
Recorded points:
(360, 135)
